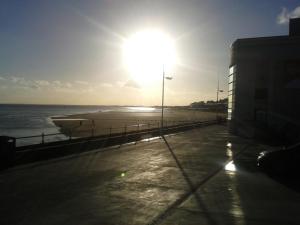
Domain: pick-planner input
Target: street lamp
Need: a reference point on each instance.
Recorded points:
(218, 91)
(162, 98)
(217, 103)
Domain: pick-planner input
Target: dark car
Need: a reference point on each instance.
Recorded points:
(282, 162)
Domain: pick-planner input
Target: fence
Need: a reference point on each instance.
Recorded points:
(75, 132)
(48, 150)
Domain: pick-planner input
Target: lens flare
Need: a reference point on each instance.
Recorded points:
(146, 53)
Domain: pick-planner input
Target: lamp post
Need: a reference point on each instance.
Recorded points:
(217, 103)
(218, 91)
(163, 98)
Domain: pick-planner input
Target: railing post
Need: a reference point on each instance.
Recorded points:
(148, 126)
(110, 131)
(70, 135)
(43, 138)
(93, 127)
(125, 129)
(138, 126)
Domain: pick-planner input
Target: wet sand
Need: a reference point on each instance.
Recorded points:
(100, 123)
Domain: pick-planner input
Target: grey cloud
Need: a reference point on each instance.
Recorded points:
(42, 82)
(68, 85)
(132, 84)
(19, 80)
(106, 85)
(34, 86)
(57, 83)
(15, 82)
(285, 15)
(81, 82)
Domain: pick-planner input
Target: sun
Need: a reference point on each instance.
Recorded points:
(146, 53)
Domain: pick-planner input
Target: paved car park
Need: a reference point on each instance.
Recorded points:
(201, 176)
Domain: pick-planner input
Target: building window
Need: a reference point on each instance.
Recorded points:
(230, 78)
(229, 98)
(232, 69)
(231, 90)
(230, 86)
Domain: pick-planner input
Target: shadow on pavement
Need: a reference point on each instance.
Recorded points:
(292, 183)
(193, 191)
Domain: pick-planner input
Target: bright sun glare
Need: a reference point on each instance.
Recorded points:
(146, 53)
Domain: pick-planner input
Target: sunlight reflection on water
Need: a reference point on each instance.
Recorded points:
(143, 109)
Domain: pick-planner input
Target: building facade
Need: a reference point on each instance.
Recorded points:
(264, 85)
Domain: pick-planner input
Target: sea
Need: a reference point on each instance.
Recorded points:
(19, 121)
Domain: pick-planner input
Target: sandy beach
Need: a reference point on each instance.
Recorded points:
(100, 123)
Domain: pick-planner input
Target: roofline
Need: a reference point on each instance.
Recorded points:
(263, 40)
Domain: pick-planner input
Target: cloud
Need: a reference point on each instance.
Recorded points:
(68, 85)
(81, 82)
(19, 80)
(34, 86)
(106, 85)
(55, 86)
(285, 15)
(42, 82)
(60, 86)
(120, 84)
(57, 83)
(132, 84)
(24, 83)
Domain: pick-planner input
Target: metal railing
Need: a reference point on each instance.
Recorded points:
(93, 131)
(140, 133)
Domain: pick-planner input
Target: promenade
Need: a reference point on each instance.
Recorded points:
(201, 176)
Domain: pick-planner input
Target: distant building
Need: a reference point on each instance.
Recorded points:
(264, 85)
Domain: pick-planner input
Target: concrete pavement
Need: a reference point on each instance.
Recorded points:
(187, 178)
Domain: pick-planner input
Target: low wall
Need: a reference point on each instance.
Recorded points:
(33, 153)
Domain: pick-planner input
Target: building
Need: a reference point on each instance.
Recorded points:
(264, 85)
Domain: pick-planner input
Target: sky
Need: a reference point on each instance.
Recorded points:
(71, 52)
